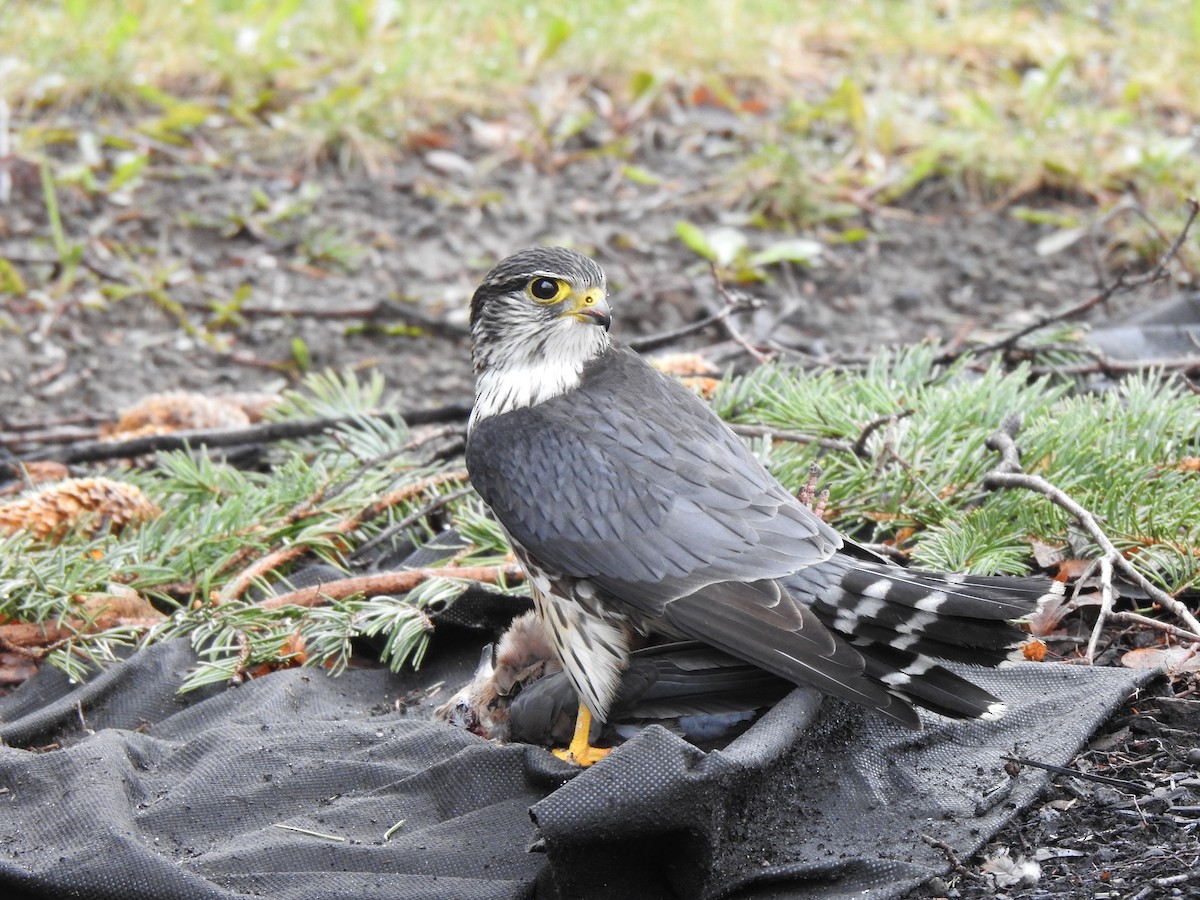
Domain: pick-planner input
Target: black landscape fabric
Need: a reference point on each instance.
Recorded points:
(303, 785)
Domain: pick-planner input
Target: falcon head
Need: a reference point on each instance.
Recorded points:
(533, 328)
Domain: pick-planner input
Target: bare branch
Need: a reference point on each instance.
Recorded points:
(1008, 475)
(796, 437)
(1121, 283)
(283, 555)
(1106, 605)
(1166, 627)
(859, 447)
(93, 451)
(662, 339)
(390, 583)
(1184, 365)
(730, 305)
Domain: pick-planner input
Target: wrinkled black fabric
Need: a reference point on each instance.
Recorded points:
(1162, 331)
(121, 788)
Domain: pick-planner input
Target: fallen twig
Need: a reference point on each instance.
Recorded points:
(732, 304)
(952, 858)
(859, 447)
(1166, 628)
(56, 422)
(283, 555)
(1185, 365)
(1106, 605)
(1041, 322)
(390, 583)
(663, 338)
(262, 433)
(405, 312)
(1008, 474)
(797, 437)
(1193, 206)
(55, 436)
(1132, 786)
(1106, 293)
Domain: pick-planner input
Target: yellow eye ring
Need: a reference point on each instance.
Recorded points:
(548, 290)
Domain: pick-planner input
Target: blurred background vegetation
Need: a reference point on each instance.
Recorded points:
(849, 98)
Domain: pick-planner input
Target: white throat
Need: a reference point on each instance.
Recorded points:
(534, 368)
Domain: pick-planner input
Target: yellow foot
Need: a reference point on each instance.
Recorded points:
(579, 751)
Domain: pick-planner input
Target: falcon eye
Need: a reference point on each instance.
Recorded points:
(547, 289)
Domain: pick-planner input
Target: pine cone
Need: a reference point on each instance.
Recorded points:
(683, 364)
(34, 472)
(176, 411)
(90, 505)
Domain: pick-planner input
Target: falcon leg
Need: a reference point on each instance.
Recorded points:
(579, 751)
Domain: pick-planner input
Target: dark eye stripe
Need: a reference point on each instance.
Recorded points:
(515, 286)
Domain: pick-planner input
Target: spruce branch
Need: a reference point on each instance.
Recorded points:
(36, 640)
(391, 583)
(321, 498)
(284, 555)
(435, 505)
(1009, 474)
(332, 489)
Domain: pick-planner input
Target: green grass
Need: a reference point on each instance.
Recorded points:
(997, 99)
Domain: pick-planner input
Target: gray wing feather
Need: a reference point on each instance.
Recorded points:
(633, 482)
(784, 637)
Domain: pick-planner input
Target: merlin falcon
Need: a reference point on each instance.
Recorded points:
(636, 512)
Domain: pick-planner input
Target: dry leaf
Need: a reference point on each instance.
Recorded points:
(1048, 555)
(1069, 569)
(118, 602)
(1167, 659)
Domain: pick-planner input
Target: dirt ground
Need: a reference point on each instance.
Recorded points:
(319, 251)
(424, 231)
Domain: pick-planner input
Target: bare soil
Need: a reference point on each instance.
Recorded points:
(423, 232)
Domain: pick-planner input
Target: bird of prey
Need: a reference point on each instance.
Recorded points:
(634, 511)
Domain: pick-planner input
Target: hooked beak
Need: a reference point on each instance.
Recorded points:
(593, 308)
